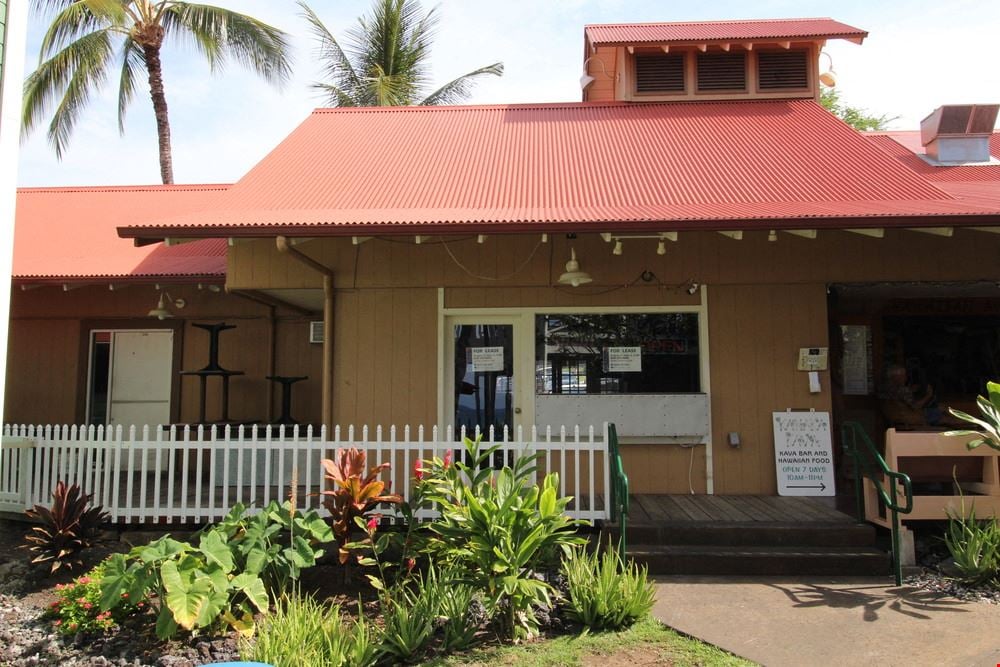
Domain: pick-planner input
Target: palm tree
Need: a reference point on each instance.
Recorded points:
(385, 62)
(87, 38)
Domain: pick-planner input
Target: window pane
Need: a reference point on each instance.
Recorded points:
(484, 377)
(642, 353)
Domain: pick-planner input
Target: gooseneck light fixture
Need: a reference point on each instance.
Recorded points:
(586, 79)
(162, 312)
(829, 77)
(573, 276)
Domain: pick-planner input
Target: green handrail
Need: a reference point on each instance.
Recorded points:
(875, 468)
(619, 488)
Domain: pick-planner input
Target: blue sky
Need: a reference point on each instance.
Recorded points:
(919, 55)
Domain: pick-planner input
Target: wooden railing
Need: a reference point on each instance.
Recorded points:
(194, 475)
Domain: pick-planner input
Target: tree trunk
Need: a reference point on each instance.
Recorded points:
(155, 70)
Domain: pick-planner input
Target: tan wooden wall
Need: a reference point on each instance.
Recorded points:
(706, 257)
(755, 332)
(766, 300)
(47, 360)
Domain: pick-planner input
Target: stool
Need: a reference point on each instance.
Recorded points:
(286, 382)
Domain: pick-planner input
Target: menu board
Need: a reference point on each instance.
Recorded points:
(803, 453)
(857, 360)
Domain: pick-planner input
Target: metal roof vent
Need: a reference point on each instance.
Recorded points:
(959, 134)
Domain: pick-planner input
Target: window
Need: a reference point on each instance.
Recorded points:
(782, 70)
(659, 73)
(722, 71)
(640, 353)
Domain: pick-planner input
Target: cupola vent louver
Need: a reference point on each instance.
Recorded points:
(659, 73)
(782, 70)
(722, 71)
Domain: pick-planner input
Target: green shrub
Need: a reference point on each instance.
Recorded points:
(409, 625)
(604, 593)
(67, 528)
(78, 607)
(223, 580)
(302, 632)
(975, 546)
(498, 531)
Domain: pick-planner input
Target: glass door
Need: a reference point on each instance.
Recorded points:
(482, 384)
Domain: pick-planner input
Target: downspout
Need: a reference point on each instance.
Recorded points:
(272, 354)
(326, 393)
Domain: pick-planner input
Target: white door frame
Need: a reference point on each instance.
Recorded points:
(111, 365)
(523, 365)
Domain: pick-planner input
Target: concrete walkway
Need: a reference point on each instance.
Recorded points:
(830, 621)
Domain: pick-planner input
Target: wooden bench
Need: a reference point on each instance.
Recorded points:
(916, 450)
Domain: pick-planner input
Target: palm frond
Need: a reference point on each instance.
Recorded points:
(333, 95)
(222, 33)
(43, 7)
(70, 76)
(69, 24)
(336, 65)
(133, 64)
(459, 89)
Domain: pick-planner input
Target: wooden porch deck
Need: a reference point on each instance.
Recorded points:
(680, 508)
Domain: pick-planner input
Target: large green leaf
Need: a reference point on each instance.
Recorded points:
(166, 627)
(216, 551)
(115, 581)
(186, 599)
(253, 588)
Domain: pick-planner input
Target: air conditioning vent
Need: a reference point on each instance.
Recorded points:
(722, 71)
(659, 73)
(782, 70)
(316, 332)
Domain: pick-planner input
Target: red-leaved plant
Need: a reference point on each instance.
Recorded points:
(355, 493)
(67, 528)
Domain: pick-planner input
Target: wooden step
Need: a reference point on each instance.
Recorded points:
(749, 534)
(760, 560)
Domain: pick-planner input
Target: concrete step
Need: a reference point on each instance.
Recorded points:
(760, 560)
(750, 534)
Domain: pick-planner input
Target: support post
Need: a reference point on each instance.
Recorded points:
(327, 390)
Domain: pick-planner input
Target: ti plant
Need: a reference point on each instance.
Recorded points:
(500, 531)
(354, 494)
(989, 424)
(68, 527)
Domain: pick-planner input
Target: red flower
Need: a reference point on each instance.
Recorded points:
(87, 605)
(418, 470)
(372, 524)
(410, 564)
(58, 622)
(84, 579)
(447, 458)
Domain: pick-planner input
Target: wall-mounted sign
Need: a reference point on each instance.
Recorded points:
(803, 453)
(857, 374)
(622, 359)
(485, 359)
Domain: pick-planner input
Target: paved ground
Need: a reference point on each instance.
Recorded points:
(830, 621)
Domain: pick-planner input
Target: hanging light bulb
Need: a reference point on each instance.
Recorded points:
(661, 248)
(573, 275)
(829, 77)
(772, 235)
(618, 248)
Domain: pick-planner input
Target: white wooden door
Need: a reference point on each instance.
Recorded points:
(141, 370)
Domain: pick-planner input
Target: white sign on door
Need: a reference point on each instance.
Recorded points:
(622, 359)
(803, 454)
(485, 359)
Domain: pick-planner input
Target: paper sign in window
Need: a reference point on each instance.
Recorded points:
(485, 359)
(622, 359)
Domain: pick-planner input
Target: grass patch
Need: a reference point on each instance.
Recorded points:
(649, 637)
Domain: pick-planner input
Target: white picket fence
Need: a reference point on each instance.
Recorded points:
(158, 475)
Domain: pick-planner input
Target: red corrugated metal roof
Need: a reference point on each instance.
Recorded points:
(594, 166)
(69, 234)
(711, 31)
(977, 184)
